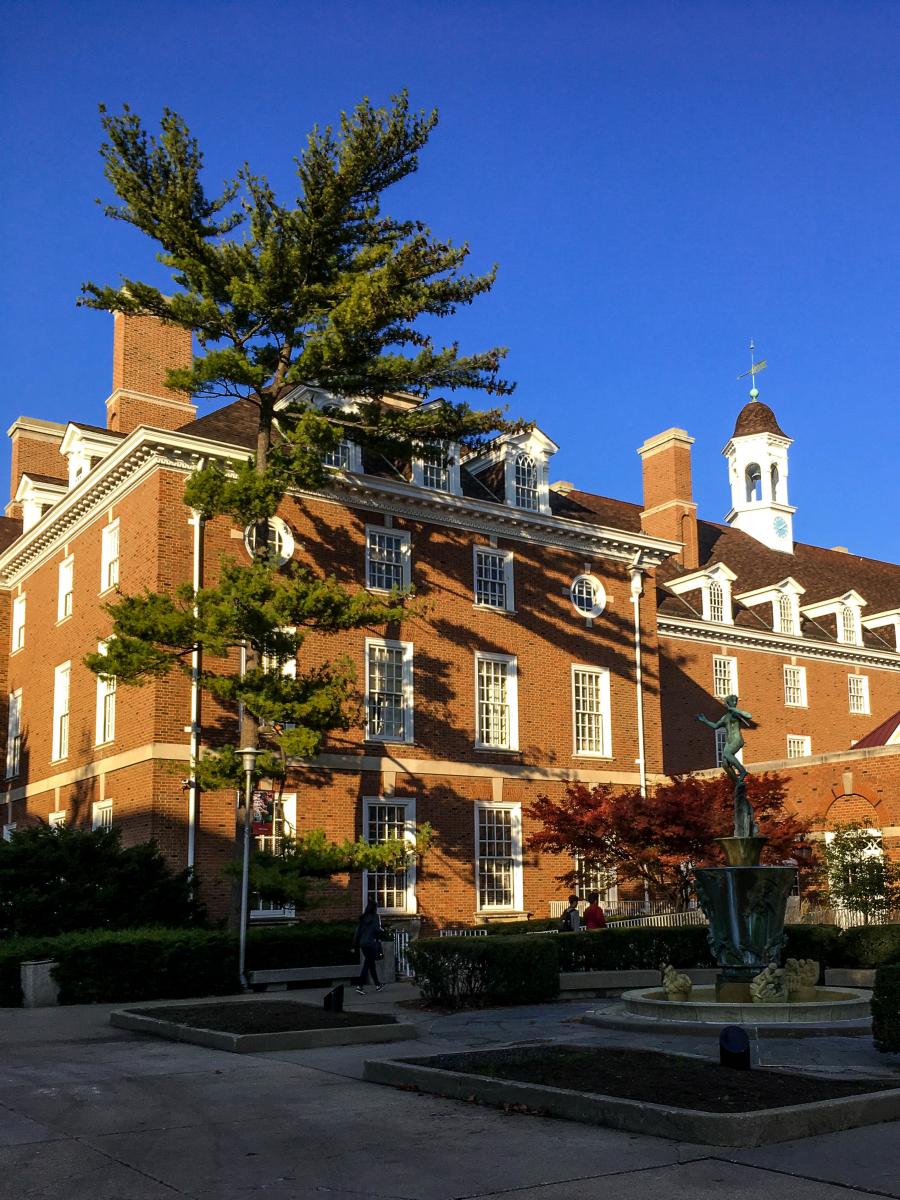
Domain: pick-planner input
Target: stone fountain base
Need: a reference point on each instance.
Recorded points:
(829, 1005)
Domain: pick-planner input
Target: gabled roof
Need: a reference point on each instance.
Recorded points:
(235, 424)
(886, 734)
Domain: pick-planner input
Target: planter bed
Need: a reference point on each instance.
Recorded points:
(249, 1026)
(709, 1104)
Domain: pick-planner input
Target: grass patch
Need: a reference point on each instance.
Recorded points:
(652, 1077)
(261, 1016)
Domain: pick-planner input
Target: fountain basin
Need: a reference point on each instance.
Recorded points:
(830, 1005)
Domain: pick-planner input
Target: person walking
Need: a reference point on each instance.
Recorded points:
(571, 921)
(367, 939)
(594, 916)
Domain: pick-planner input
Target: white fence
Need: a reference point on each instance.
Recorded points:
(619, 908)
(693, 916)
(845, 918)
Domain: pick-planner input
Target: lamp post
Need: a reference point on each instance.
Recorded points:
(248, 755)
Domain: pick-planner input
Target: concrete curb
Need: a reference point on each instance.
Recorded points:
(256, 1043)
(628, 1023)
(747, 1129)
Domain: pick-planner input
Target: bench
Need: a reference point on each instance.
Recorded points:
(338, 973)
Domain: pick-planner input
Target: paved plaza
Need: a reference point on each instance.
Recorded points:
(92, 1113)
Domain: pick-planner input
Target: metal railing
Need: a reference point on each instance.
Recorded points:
(402, 966)
(619, 908)
(846, 918)
(693, 916)
(463, 932)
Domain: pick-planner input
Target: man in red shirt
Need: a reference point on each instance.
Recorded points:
(594, 916)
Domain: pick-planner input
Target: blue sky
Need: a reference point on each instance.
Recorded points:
(658, 182)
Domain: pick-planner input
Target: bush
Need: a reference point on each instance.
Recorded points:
(308, 944)
(634, 948)
(886, 1009)
(517, 928)
(59, 880)
(870, 946)
(463, 972)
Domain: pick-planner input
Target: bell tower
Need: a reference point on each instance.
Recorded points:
(757, 455)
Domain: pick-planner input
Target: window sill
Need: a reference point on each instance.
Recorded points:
(112, 587)
(62, 620)
(506, 612)
(593, 756)
(378, 741)
(18, 650)
(479, 748)
(54, 761)
(787, 705)
(100, 745)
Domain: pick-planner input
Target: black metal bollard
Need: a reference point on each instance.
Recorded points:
(734, 1048)
(334, 1000)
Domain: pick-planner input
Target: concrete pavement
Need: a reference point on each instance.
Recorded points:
(92, 1113)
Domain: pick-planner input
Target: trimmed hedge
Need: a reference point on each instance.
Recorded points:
(517, 928)
(166, 964)
(870, 946)
(633, 948)
(470, 972)
(886, 1009)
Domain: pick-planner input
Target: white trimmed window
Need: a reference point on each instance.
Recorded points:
(18, 624)
(8, 831)
(587, 595)
(391, 820)
(57, 820)
(798, 745)
(388, 565)
(847, 626)
(526, 482)
(14, 734)
(344, 457)
(494, 578)
(389, 691)
(60, 739)
(724, 676)
(498, 859)
(436, 473)
(102, 814)
(795, 686)
(591, 878)
(496, 702)
(280, 540)
(784, 608)
(721, 739)
(716, 601)
(591, 711)
(106, 705)
(65, 588)
(109, 557)
(858, 686)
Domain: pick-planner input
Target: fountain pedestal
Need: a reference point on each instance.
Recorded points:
(745, 904)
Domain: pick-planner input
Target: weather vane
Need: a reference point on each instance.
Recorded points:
(755, 368)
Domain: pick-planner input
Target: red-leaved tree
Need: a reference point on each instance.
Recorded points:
(658, 839)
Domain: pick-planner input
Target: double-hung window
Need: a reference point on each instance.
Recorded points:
(795, 687)
(724, 676)
(721, 739)
(14, 734)
(798, 745)
(498, 861)
(18, 624)
(60, 738)
(65, 588)
(109, 557)
(387, 559)
(389, 691)
(391, 820)
(102, 814)
(590, 711)
(106, 705)
(436, 472)
(57, 820)
(496, 702)
(858, 686)
(493, 578)
(341, 457)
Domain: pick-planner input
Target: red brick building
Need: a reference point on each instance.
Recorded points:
(564, 636)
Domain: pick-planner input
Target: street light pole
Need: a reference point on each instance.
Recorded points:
(248, 755)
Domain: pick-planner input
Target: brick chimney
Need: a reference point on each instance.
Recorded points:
(669, 508)
(144, 348)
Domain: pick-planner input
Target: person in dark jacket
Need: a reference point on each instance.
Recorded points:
(367, 939)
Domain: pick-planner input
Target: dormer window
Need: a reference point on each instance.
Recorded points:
(846, 611)
(436, 473)
(848, 625)
(83, 447)
(439, 471)
(526, 485)
(714, 585)
(786, 614)
(36, 494)
(784, 598)
(340, 457)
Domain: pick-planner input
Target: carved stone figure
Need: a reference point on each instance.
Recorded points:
(733, 721)
(677, 985)
(801, 976)
(768, 987)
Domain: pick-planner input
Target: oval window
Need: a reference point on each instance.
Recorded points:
(588, 595)
(281, 540)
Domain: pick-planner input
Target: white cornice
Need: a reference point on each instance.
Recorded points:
(776, 643)
(770, 594)
(146, 449)
(696, 579)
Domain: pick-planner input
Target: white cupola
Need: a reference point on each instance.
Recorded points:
(758, 473)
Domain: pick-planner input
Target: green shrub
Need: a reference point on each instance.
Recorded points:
(145, 964)
(869, 946)
(886, 1009)
(637, 947)
(517, 928)
(469, 972)
(308, 944)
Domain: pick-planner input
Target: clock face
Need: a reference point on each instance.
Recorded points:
(780, 527)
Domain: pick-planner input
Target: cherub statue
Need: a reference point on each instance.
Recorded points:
(768, 987)
(732, 721)
(801, 976)
(677, 985)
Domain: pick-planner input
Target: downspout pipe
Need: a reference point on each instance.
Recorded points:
(637, 590)
(199, 523)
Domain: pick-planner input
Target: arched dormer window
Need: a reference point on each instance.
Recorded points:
(753, 477)
(785, 614)
(526, 482)
(773, 477)
(848, 625)
(716, 601)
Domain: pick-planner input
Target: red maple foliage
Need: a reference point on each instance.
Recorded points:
(658, 839)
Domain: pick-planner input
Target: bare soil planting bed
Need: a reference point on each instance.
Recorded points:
(261, 1016)
(653, 1077)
